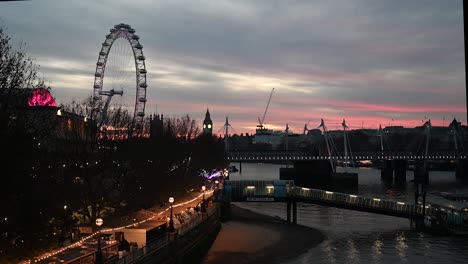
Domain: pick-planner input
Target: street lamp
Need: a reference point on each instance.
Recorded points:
(203, 188)
(203, 207)
(99, 259)
(216, 182)
(171, 222)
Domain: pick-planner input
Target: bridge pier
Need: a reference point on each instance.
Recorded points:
(400, 170)
(386, 172)
(421, 173)
(462, 171)
(394, 169)
(417, 224)
(240, 167)
(294, 207)
(291, 204)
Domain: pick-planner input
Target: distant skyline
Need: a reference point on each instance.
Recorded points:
(371, 62)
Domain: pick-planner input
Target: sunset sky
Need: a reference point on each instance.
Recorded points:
(371, 62)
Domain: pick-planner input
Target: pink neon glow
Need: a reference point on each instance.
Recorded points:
(41, 97)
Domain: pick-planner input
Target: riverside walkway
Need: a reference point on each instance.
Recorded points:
(185, 237)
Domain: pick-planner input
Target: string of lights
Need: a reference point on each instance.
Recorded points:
(79, 243)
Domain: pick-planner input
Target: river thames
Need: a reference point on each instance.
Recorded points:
(358, 237)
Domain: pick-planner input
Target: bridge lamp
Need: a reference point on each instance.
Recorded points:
(269, 187)
(99, 259)
(171, 221)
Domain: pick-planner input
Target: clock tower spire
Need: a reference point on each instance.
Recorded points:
(207, 123)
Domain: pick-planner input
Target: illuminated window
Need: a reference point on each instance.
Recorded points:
(204, 126)
(209, 126)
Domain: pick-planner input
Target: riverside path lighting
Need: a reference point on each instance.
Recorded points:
(203, 188)
(203, 206)
(171, 221)
(99, 259)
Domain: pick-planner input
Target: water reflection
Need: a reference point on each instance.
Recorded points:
(357, 237)
(377, 250)
(352, 252)
(401, 246)
(329, 251)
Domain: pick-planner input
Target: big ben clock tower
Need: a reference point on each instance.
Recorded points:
(207, 124)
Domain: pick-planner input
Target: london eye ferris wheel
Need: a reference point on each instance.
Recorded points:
(122, 62)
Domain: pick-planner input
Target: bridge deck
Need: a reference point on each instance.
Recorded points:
(359, 203)
(266, 191)
(296, 155)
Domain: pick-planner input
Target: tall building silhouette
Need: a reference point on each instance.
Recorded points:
(207, 123)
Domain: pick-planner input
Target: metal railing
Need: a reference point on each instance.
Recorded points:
(297, 155)
(360, 201)
(157, 244)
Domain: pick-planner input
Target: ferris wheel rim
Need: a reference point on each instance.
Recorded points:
(127, 32)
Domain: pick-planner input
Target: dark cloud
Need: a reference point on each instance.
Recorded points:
(399, 53)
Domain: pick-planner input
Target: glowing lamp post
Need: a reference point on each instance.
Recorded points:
(203, 207)
(203, 188)
(171, 222)
(216, 182)
(99, 259)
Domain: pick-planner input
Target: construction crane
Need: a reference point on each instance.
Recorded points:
(261, 122)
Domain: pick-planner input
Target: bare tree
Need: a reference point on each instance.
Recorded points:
(16, 69)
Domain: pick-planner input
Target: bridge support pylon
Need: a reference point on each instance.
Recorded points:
(400, 166)
(417, 224)
(394, 169)
(291, 204)
(386, 172)
(294, 213)
(462, 171)
(421, 173)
